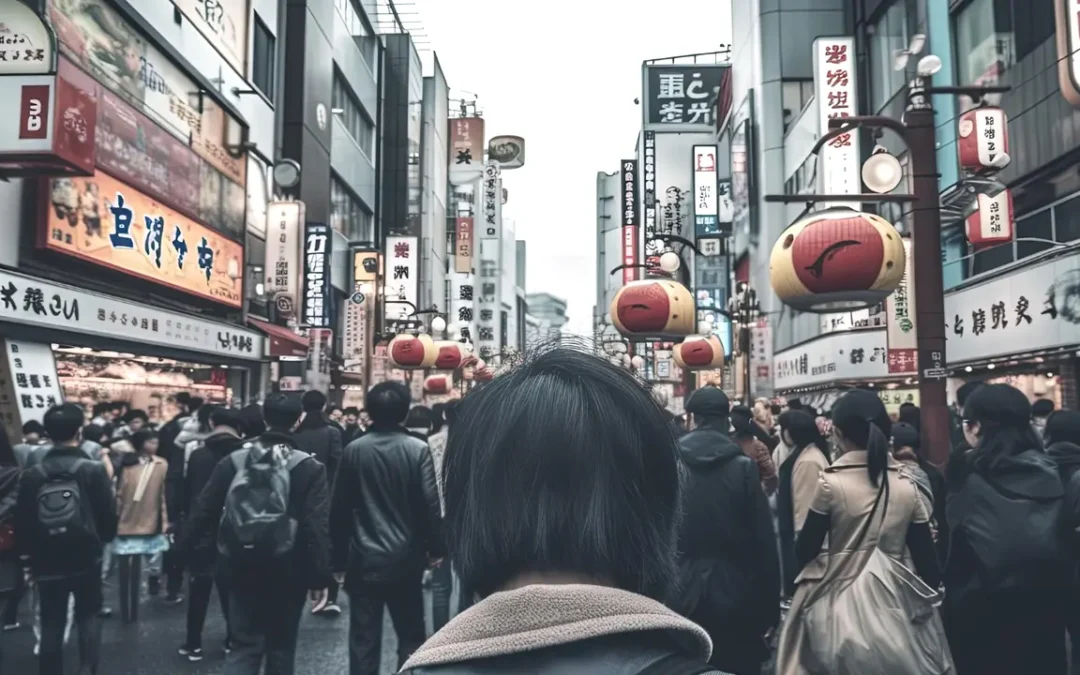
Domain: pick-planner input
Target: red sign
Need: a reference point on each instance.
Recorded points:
(902, 361)
(34, 112)
(463, 246)
(630, 251)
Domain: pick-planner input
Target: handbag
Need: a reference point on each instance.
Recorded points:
(884, 621)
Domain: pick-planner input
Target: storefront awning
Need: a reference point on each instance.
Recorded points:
(283, 342)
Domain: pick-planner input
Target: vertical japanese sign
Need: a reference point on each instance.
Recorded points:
(835, 92)
(652, 249)
(1067, 21)
(317, 289)
(463, 245)
(900, 321)
(744, 202)
(680, 97)
(706, 205)
(466, 148)
(28, 384)
(317, 375)
(629, 219)
(492, 201)
(761, 358)
(401, 277)
(489, 301)
(282, 263)
(357, 335)
(725, 207)
(462, 300)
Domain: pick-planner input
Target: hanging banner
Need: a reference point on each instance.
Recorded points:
(761, 358)
(401, 277)
(317, 373)
(282, 263)
(317, 288)
(652, 249)
(508, 151)
(466, 150)
(463, 245)
(836, 94)
(900, 321)
(492, 201)
(706, 209)
(28, 384)
(629, 199)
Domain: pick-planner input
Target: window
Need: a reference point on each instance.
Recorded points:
(890, 34)
(992, 36)
(356, 23)
(348, 215)
(263, 59)
(352, 116)
(794, 95)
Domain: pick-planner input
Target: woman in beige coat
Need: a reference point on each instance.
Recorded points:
(842, 504)
(798, 479)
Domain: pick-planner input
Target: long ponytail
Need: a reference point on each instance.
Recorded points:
(877, 451)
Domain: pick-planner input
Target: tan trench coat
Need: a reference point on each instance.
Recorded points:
(845, 493)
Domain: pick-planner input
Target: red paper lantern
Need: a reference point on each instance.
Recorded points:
(991, 221)
(836, 260)
(699, 352)
(983, 140)
(451, 356)
(438, 385)
(412, 352)
(655, 308)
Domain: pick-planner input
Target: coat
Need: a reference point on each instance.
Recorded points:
(321, 439)
(221, 443)
(140, 497)
(845, 494)
(798, 480)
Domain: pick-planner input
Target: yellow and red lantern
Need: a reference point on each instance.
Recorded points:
(438, 385)
(699, 352)
(452, 355)
(837, 260)
(412, 352)
(656, 308)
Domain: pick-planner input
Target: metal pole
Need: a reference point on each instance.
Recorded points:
(929, 287)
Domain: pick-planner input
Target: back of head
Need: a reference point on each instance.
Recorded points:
(63, 422)
(141, 438)
(861, 418)
(1003, 416)
(905, 435)
(203, 415)
(966, 390)
(251, 421)
(910, 414)
(281, 412)
(564, 464)
(710, 407)
(194, 403)
(387, 403)
(803, 429)
(1042, 408)
(420, 418)
(136, 414)
(182, 398)
(1063, 427)
(226, 417)
(94, 433)
(33, 428)
(313, 401)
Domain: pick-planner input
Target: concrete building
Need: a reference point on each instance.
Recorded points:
(549, 311)
(608, 242)
(437, 238)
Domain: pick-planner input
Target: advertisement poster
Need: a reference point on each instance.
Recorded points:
(224, 24)
(900, 321)
(401, 280)
(317, 289)
(282, 264)
(466, 149)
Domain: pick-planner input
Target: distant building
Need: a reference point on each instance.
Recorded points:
(549, 313)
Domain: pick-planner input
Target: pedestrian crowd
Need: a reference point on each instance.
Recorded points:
(584, 528)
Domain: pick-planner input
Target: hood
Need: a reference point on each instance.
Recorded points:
(222, 441)
(542, 615)
(707, 446)
(1030, 475)
(1065, 455)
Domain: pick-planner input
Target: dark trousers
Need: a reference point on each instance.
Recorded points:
(332, 592)
(264, 625)
(442, 586)
(130, 586)
(11, 605)
(173, 568)
(53, 597)
(405, 600)
(199, 589)
(7, 600)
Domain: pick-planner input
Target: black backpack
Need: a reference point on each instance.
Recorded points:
(65, 521)
(255, 524)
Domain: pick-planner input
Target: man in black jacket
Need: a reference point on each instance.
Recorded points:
(266, 600)
(174, 483)
(385, 528)
(63, 565)
(729, 562)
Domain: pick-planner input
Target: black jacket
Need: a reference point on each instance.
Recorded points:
(218, 445)
(351, 433)
(10, 567)
(386, 517)
(321, 439)
(309, 502)
(174, 476)
(729, 564)
(98, 497)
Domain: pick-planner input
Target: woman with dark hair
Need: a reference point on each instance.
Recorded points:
(798, 478)
(907, 449)
(252, 424)
(562, 500)
(863, 503)
(1008, 576)
(1062, 438)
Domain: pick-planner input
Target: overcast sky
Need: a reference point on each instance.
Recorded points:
(564, 75)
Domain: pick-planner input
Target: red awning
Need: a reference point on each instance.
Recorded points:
(283, 342)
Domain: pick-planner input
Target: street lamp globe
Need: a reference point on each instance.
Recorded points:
(882, 172)
(637, 362)
(929, 65)
(704, 327)
(438, 325)
(454, 331)
(669, 262)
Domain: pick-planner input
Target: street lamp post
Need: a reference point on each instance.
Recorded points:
(745, 309)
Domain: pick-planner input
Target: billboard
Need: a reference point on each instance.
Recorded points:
(401, 278)
(629, 214)
(706, 211)
(680, 97)
(466, 149)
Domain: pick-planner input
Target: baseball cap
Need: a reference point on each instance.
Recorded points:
(709, 402)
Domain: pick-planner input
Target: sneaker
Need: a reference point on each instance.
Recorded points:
(192, 654)
(331, 609)
(105, 613)
(154, 585)
(173, 599)
(8, 627)
(228, 646)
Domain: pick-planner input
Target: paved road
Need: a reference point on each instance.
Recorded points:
(149, 646)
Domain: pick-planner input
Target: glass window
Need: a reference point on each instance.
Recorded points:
(795, 94)
(348, 215)
(890, 34)
(992, 36)
(356, 23)
(1067, 220)
(1039, 225)
(263, 59)
(352, 116)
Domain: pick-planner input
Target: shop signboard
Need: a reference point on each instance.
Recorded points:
(357, 337)
(108, 223)
(466, 150)
(317, 372)
(282, 264)
(28, 384)
(761, 358)
(508, 151)
(894, 398)
(839, 357)
(650, 245)
(28, 46)
(492, 202)
(629, 197)
(401, 283)
(318, 293)
(706, 213)
(1034, 308)
(900, 321)
(37, 302)
(835, 92)
(463, 248)
(680, 97)
(224, 24)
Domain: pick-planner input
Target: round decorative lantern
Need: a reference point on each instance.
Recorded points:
(653, 308)
(699, 352)
(410, 352)
(438, 385)
(451, 355)
(837, 260)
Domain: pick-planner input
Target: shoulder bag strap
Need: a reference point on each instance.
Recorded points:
(677, 664)
(883, 490)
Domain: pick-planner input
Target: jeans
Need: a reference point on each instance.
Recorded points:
(442, 587)
(264, 625)
(53, 595)
(199, 588)
(130, 586)
(405, 600)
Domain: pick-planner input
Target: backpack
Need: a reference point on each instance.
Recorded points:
(65, 521)
(255, 524)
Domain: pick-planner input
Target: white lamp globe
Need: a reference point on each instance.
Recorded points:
(882, 172)
(669, 262)
(454, 330)
(438, 325)
(704, 327)
(626, 361)
(637, 362)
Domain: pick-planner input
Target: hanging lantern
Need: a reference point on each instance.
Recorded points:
(836, 260)
(983, 140)
(699, 352)
(410, 352)
(653, 308)
(451, 355)
(991, 221)
(438, 385)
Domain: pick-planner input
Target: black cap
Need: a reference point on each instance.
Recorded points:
(709, 402)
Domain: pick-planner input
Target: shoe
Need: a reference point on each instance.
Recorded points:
(173, 599)
(331, 609)
(228, 646)
(154, 585)
(8, 627)
(193, 655)
(105, 613)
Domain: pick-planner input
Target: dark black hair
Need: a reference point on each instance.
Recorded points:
(1063, 426)
(203, 415)
(420, 417)
(450, 411)
(252, 423)
(966, 390)
(794, 404)
(33, 427)
(388, 403)
(803, 429)
(101, 408)
(136, 414)
(910, 414)
(194, 403)
(182, 398)
(352, 410)
(1042, 407)
(563, 464)
(905, 435)
(1003, 413)
(7, 452)
(93, 432)
(862, 419)
(907, 404)
(438, 417)
(281, 411)
(140, 437)
(226, 417)
(314, 401)
(63, 422)
(775, 409)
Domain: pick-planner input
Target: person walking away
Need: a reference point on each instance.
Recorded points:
(747, 435)
(33, 437)
(353, 430)
(11, 571)
(94, 444)
(562, 501)
(222, 442)
(1008, 576)
(798, 480)
(866, 507)
(252, 424)
(419, 422)
(65, 511)
(1041, 410)
(267, 507)
(907, 449)
(442, 575)
(728, 562)
(144, 518)
(385, 528)
(194, 430)
(1062, 438)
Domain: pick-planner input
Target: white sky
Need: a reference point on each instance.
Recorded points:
(564, 75)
